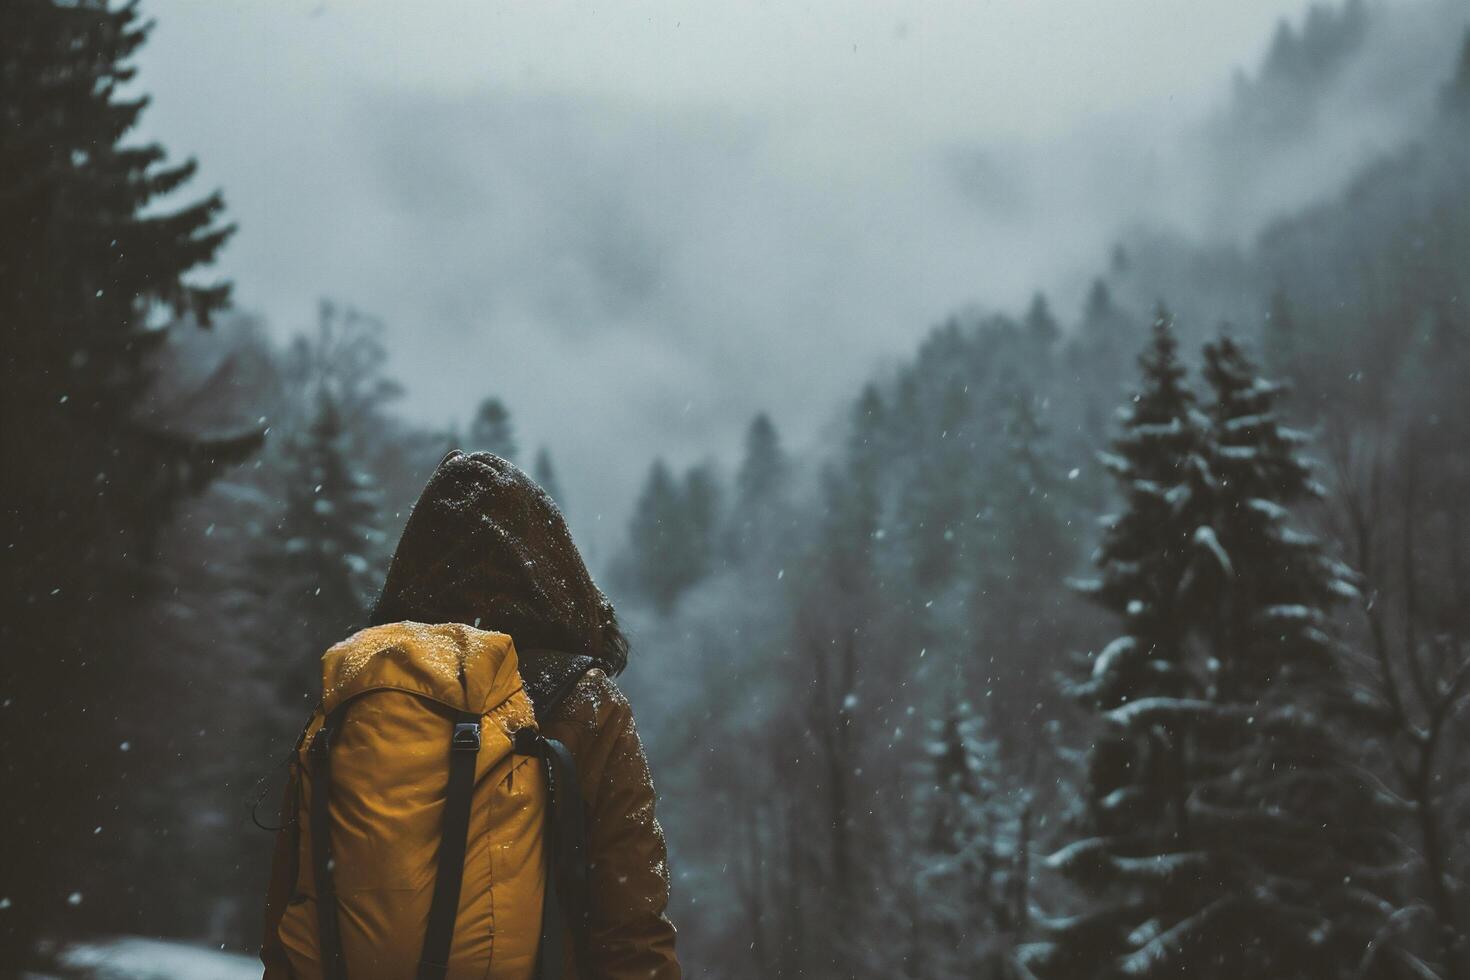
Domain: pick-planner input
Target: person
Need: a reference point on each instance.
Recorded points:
(487, 548)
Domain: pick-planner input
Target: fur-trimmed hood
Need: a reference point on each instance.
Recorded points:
(485, 546)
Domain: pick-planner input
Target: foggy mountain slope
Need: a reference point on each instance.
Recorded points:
(1374, 273)
(664, 263)
(1336, 88)
(1360, 269)
(1390, 240)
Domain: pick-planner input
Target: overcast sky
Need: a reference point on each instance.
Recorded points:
(641, 222)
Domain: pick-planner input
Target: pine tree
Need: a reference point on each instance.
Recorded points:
(853, 499)
(1098, 355)
(673, 534)
(702, 505)
(1158, 462)
(1126, 860)
(760, 490)
(1104, 326)
(972, 865)
(493, 431)
(1298, 844)
(326, 555)
(93, 262)
(1256, 849)
(86, 278)
(764, 466)
(833, 625)
(1027, 494)
(939, 498)
(656, 564)
(1042, 331)
(545, 474)
(1024, 550)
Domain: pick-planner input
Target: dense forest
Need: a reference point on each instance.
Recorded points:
(1131, 640)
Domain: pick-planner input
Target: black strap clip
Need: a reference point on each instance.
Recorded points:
(466, 737)
(527, 741)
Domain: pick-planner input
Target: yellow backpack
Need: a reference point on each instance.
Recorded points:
(424, 794)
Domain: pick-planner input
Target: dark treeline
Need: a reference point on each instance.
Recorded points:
(1125, 641)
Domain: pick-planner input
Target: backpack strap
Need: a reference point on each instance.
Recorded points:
(464, 750)
(550, 676)
(329, 940)
(565, 899)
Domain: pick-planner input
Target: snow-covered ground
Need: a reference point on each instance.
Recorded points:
(134, 958)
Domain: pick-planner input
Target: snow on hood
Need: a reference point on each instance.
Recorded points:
(487, 547)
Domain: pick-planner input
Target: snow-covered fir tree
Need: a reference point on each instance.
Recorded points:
(1295, 846)
(1242, 841)
(1134, 813)
(1158, 461)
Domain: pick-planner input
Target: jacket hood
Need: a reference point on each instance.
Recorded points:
(487, 547)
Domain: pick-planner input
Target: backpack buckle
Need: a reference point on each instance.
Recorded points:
(527, 741)
(466, 737)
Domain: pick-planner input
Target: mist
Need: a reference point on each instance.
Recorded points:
(1025, 446)
(641, 228)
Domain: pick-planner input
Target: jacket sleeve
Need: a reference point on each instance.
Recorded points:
(282, 882)
(631, 935)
